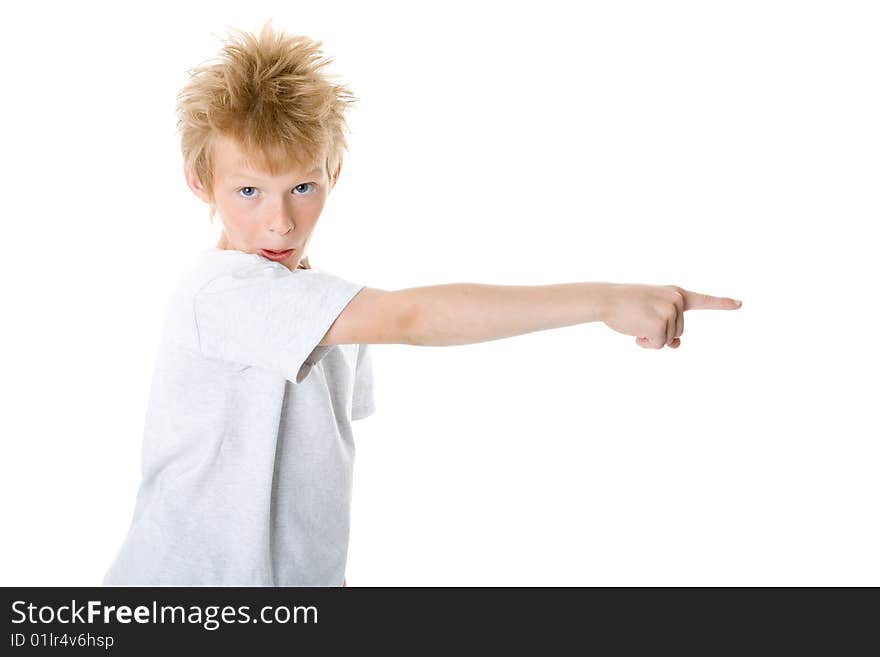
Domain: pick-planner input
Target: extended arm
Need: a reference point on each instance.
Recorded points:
(463, 313)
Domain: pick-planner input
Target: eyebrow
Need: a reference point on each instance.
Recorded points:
(249, 176)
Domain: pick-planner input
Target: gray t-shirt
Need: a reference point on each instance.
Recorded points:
(248, 448)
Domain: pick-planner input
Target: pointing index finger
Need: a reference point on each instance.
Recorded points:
(697, 301)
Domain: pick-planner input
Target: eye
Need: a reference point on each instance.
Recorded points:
(246, 195)
(302, 184)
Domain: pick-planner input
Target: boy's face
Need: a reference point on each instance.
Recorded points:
(259, 212)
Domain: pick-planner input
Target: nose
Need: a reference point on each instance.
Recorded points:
(281, 222)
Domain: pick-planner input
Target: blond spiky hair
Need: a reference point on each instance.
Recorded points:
(267, 92)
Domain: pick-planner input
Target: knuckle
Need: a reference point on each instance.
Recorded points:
(673, 293)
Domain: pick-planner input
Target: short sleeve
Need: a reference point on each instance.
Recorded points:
(269, 317)
(363, 404)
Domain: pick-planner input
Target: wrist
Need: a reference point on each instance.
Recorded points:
(602, 293)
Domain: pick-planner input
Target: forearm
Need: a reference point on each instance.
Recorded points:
(464, 313)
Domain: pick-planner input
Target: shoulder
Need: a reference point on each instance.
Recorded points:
(225, 270)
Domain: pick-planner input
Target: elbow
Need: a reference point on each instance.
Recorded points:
(410, 325)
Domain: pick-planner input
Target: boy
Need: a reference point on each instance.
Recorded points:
(264, 362)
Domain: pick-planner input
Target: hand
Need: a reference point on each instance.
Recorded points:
(655, 313)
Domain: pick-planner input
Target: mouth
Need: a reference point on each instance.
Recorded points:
(276, 255)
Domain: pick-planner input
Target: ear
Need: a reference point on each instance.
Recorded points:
(336, 174)
(195, 185)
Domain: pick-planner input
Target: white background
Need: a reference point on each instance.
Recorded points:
(729, 148)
